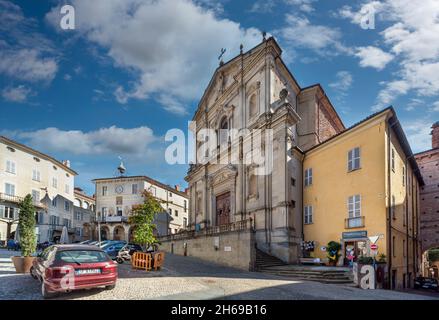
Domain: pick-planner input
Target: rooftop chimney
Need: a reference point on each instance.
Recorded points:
(177, 187)
(435, 135)
(66, 163)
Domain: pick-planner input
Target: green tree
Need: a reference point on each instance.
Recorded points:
(142, 217)
(433, 254)
(26, 226)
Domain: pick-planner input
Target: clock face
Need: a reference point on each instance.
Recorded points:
(119, 189)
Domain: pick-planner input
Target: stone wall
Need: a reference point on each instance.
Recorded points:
(232, 249)
(428, 163)
(326, 123)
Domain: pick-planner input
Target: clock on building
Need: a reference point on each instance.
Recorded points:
(119, 189)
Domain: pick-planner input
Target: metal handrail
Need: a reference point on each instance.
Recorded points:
(209, 231)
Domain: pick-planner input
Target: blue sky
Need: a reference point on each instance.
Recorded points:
(133, 69)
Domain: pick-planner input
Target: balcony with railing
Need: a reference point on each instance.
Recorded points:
(110, 219)
(209, 231)
(356, 222)
(59, 227)
(16, 200)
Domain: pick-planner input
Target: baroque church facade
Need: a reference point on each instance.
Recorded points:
(255, 90)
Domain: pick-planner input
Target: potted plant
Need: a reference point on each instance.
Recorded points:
(142, 218)
(382, 258)
(333, 249)
(28, 239)
(362, 260)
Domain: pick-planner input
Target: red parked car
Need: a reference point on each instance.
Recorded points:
(63, 268)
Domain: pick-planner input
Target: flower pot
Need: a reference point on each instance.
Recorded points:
(27, 264)
(332, 263)
(22, 264)
(18, 264)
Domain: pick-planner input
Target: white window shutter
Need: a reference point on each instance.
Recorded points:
(2, 211)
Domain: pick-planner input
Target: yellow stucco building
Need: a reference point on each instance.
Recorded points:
(361, 183)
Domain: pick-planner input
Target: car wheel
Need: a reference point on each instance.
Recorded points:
(32, 273)
(119, 260)
(46, 294)
(111, 287)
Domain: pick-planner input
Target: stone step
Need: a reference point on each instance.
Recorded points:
(275, 269)
(311, 277)
(332, 276)
(322, 280)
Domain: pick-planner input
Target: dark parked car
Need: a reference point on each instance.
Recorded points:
(112, 248)
(426, 283)
(63, 268)
(132, 247)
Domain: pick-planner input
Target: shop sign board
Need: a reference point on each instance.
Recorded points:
(354, 234)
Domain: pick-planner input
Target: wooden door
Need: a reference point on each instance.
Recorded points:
(223, 209)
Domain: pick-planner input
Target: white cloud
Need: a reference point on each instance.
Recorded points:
(343, 81)
(359, 16)
(172, 104)
(111, 140)
(300, 32)
(16, 94)
(266, 6)
(414, 103)
(263, 6)
(418, 133)
(303, 5)
(373, 57)
(24, 53)
(171, 46)
(391, 90)
(27, 64)
(435, 106)
(413, 40)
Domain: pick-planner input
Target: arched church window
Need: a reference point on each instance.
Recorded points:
(253, 185)
(253, 105)
(224, 131)
(199, 204)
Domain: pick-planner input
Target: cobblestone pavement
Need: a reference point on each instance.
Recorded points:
(190, 278)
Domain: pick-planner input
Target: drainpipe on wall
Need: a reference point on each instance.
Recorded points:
(407, 223)
(413, 227)
(389, 210)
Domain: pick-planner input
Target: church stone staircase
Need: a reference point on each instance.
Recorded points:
(268, 264)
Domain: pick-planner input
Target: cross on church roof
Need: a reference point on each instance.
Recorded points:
(220, 57)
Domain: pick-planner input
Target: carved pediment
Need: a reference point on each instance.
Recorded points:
(228, 173)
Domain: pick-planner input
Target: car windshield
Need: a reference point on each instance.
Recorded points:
(113, 244)
(81, 256)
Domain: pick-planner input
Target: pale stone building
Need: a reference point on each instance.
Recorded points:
(26, 171)
(83, 215)
(255, 90)
(116, 196)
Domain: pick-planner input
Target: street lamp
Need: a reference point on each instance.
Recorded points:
(99, 227)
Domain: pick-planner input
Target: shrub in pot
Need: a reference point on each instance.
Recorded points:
(365, 260)
(28, 239)
(333, 254)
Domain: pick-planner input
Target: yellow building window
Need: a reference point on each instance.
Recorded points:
(308, 214)
(355, 220)
(354, 159)
(308, 177)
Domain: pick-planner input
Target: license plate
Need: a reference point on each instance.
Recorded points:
(87, 271)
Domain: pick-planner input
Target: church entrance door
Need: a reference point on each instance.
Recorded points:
(223, 209)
